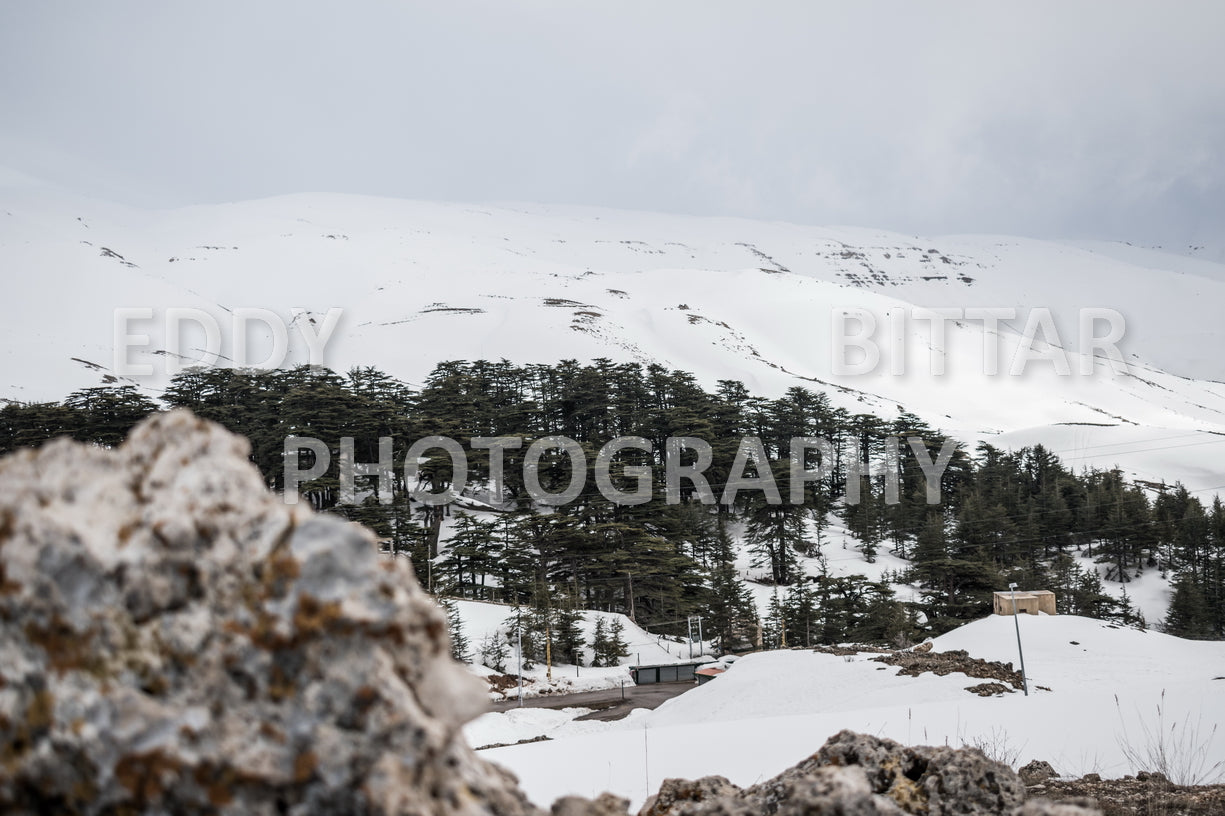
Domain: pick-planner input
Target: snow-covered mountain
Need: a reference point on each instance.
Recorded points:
(726, 299)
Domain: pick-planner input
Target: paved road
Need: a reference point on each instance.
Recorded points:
(608, 702)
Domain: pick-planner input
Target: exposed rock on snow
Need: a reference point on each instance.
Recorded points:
(680, 795)
(915, 662)
(603, 805)
(859, 775)
(1145, 793)
(176, 639)
(1036, 771)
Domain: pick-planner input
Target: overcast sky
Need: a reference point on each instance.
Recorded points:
(1061, 119)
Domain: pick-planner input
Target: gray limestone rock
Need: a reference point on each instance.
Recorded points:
(1036, 771)
(860, 775)
(177, 639)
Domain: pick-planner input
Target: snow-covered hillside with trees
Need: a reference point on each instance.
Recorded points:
(402, 398)
(593, 650)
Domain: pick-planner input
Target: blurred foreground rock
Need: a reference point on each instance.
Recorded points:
(177, 640)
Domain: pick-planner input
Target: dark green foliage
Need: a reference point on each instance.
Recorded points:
(568, 638)
(527, 635)
(472, 552)
(1003, 515)
(774, 625)
(775, 534)
(617, 646)
(802, 616)
(608, 642)
(599, 642)
(460, 648)
(730, 617)
(103, 415)
(494, 651)
(29, 425)
(1190, 615)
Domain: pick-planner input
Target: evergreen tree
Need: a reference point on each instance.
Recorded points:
(1189, 615)
(800, 614)
(568, 638)
(600, 642)
(460, 647)
(731, 614)
(525, 630)
(1004, 516)
(884, 620)
(775, 532)
(608, 642)
(774, 633)
(105, 415)
(494, 651)
(470, 557)
(617, 645)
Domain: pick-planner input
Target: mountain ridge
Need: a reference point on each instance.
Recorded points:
(723, 298)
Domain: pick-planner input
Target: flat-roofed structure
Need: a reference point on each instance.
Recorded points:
(1029, 602)
(665, 673)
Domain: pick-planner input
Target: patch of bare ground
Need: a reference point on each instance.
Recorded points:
(502, 682)
(848, 650)
(914, 663)
(1141, 795)
(541, 738)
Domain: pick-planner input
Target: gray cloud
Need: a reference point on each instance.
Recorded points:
(1092, 119)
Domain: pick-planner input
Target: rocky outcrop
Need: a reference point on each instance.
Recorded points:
(177, 639)
(678, 795)
(1036, 771)
(914, 662)
(1144, 793)
(860, 775)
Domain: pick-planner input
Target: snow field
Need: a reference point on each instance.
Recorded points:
(772, 709)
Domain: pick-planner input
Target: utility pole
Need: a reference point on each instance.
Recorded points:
(519, 630)
(630, 576)
(548, 648)
(1024, 682)
(701, 644)
(782, 621)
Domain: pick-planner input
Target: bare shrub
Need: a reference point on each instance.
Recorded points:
(996, 745)
(1178, 750)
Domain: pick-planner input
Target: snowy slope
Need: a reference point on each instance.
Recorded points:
(724, 298)
(482, 619)
(772, 709)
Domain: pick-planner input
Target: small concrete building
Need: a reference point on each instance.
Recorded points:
(665, 673)
(1030, 602)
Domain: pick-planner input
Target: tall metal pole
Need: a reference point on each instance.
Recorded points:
(1024, 682)
(519, 630)
(701, 643)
